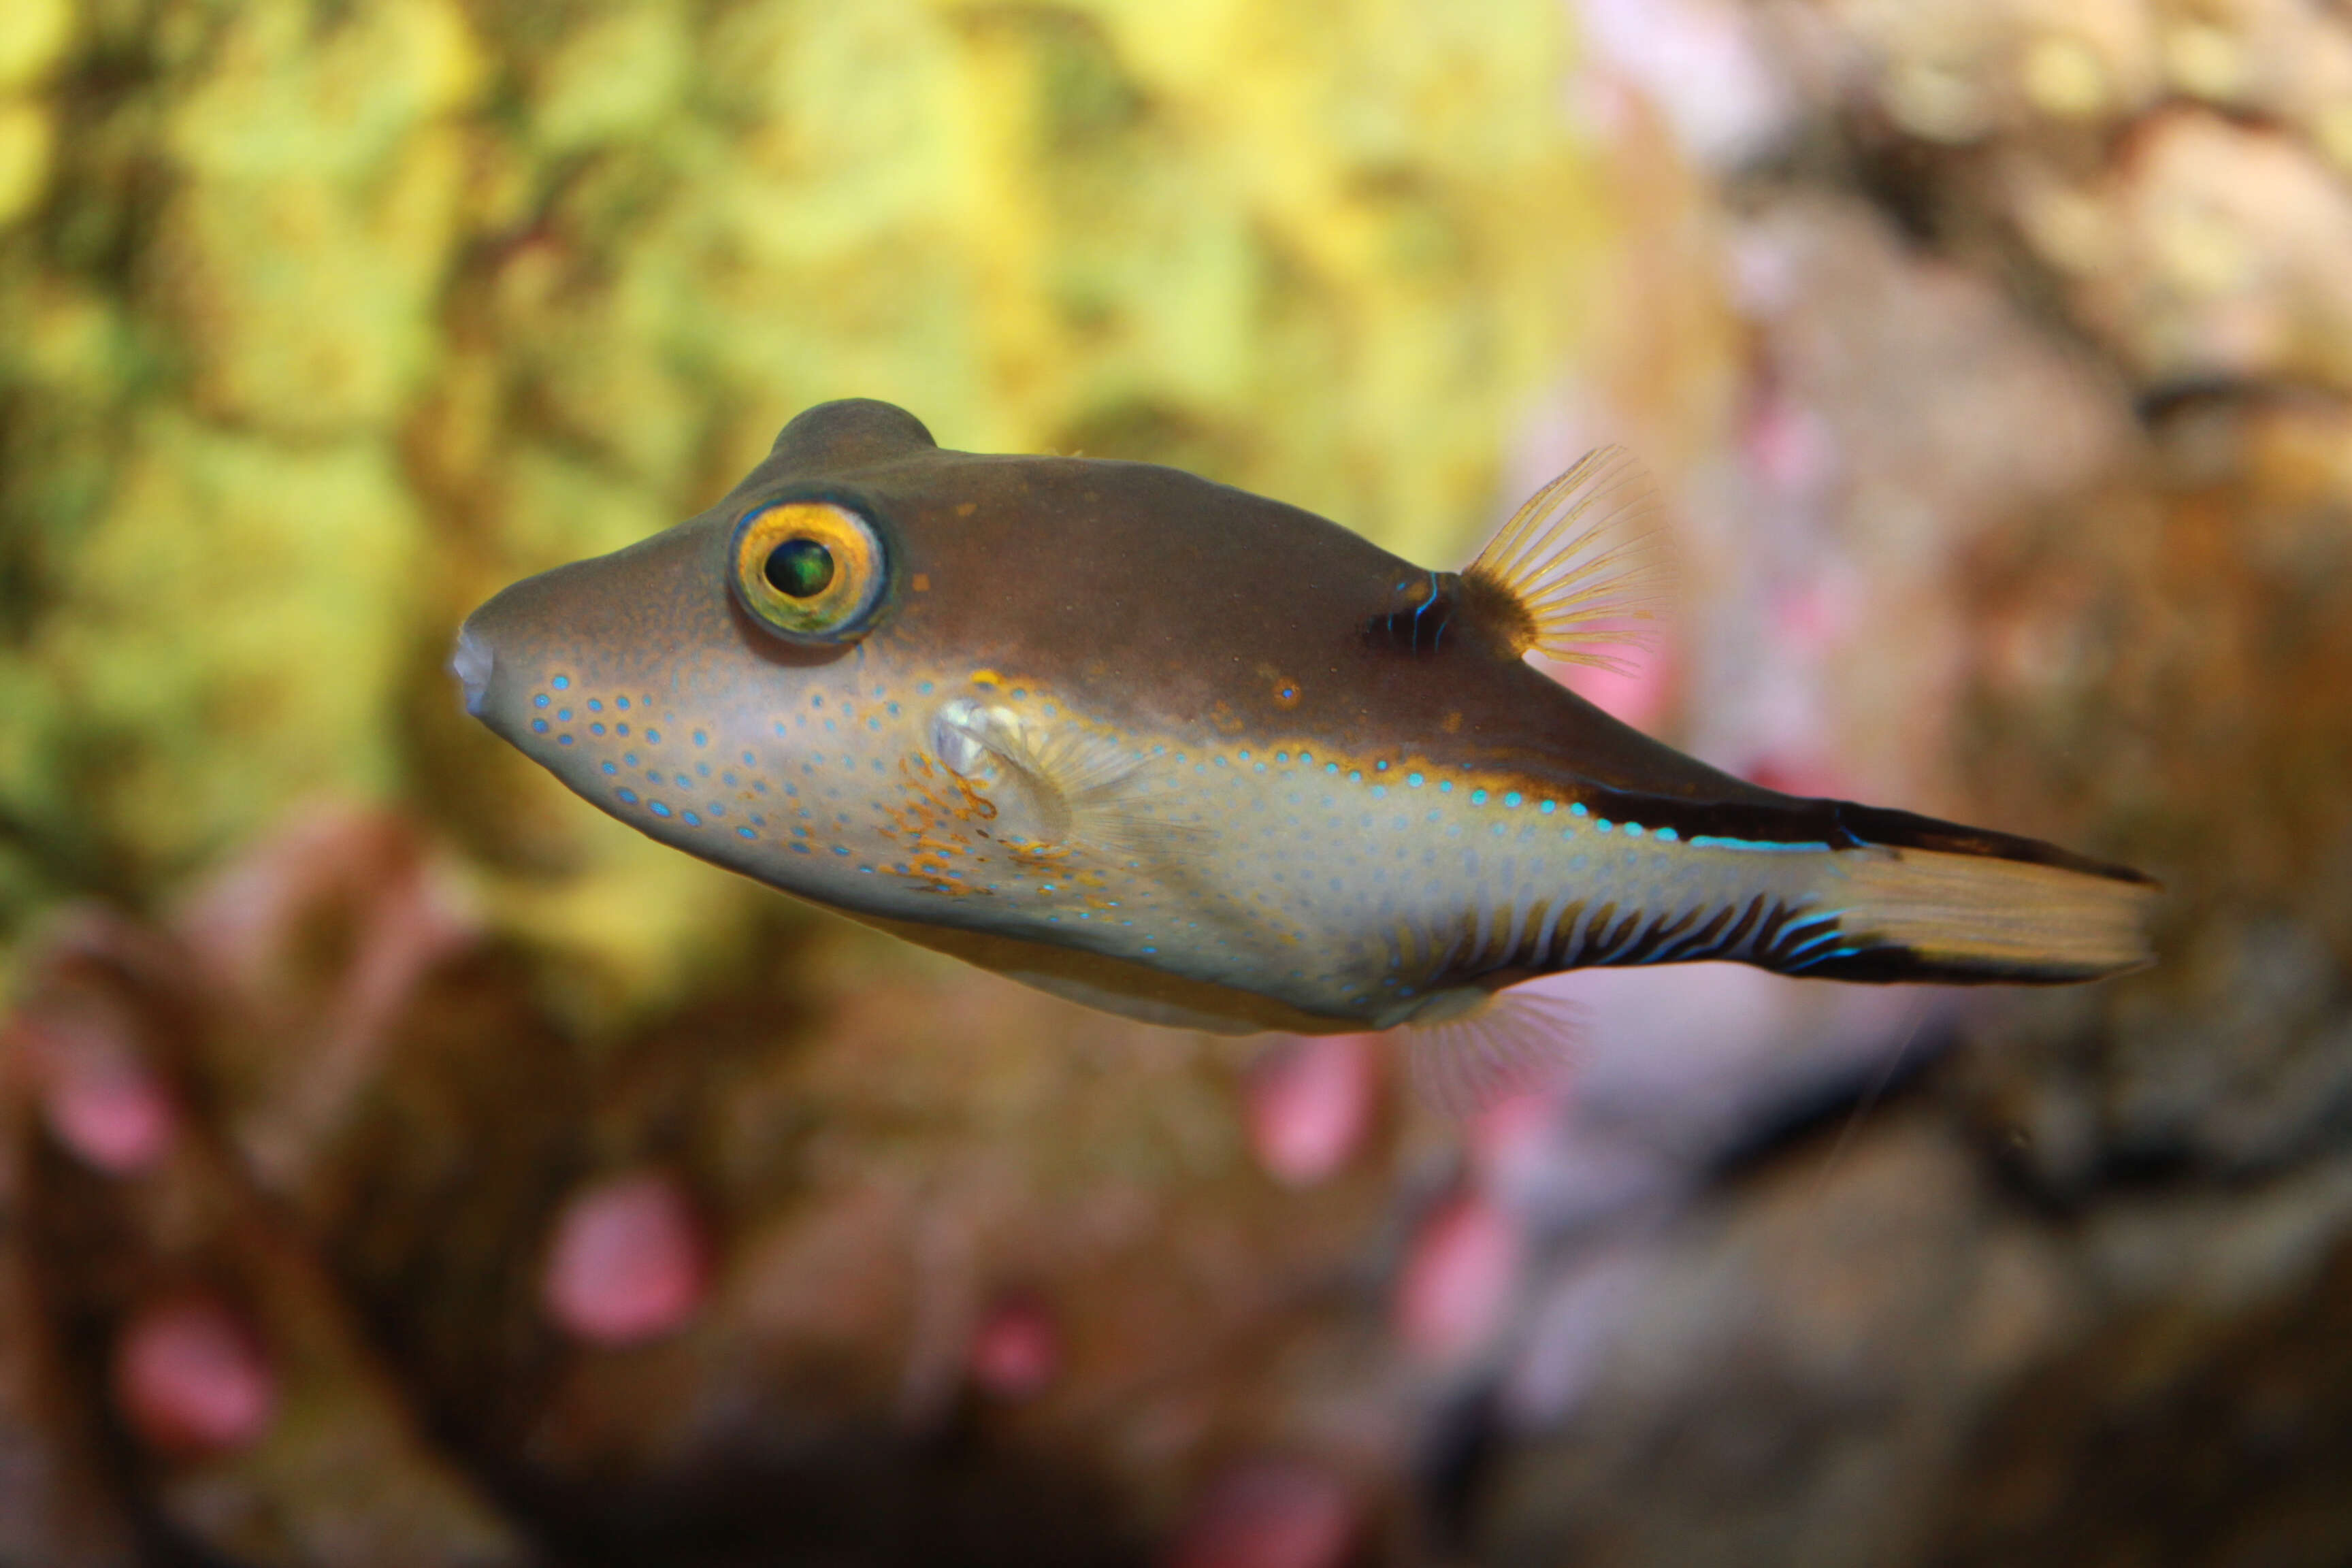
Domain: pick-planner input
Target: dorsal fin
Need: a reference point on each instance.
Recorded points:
(1578, 568)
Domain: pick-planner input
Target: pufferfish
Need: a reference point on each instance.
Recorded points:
(1207, 759)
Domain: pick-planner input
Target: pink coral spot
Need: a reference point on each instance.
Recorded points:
(1310, 1103)
(113, 1116)
(1016, 1350)
(1458, 1279)
(191, 1381)
(627, 1262)
(1268, 1514)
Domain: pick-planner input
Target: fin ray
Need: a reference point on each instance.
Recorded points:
(1969, 917)
(1078, 786)
(1579, 559)
(1500, 1044)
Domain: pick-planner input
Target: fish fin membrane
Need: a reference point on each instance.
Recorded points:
(1073, 787)
(1935, 915)
(1488, 1046)
(1578, 570)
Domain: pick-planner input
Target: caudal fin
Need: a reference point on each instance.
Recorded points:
(1975, 915)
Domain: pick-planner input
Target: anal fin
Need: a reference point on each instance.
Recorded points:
(1471, 1047)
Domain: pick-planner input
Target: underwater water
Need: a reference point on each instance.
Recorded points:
(401, 1163)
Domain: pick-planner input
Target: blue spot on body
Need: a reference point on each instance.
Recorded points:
(653, 737)
(1477, 797)
(622, 703)
(610, 769)
(540, 700)
(700, 739)
(563, 740)
(620, 728)
(563, 715)
(1548, 807)
(562, 683)
(1414, 780)
(1711, 841)
(1513, 798)
(1667, 836)
(691, 820)
(745, 833)
(1576, 810)
(596, 705)
(657, 809)
(1632, 830)
(595, 729)
(841, 849)
(1603, 823)
(539, 726)
(628, 797)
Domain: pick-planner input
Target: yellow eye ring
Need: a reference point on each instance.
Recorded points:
(814, 569)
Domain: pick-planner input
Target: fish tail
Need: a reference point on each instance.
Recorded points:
(1920, 900)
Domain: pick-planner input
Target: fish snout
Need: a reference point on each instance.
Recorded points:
(472, 663)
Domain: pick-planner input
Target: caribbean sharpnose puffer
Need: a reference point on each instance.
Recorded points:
(1205, 759)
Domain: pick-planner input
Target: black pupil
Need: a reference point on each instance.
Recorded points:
(799, 568)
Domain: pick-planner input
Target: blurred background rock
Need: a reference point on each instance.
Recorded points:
(447, 1174)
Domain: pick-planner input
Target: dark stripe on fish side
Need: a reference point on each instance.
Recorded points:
(1908, 830)
(1890, 965)
(1774, 934)
(1799, 820)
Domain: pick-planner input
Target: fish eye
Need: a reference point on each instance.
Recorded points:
(799, 568)
(812, 570)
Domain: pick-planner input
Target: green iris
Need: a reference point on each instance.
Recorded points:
(799, 568)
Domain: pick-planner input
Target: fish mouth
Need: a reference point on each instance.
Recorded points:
(472, 663)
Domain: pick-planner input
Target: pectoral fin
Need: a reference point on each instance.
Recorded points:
(1057, 785)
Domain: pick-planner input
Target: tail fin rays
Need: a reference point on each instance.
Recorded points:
(1963, 918)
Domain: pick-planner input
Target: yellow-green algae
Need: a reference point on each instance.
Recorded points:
(319, 321)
